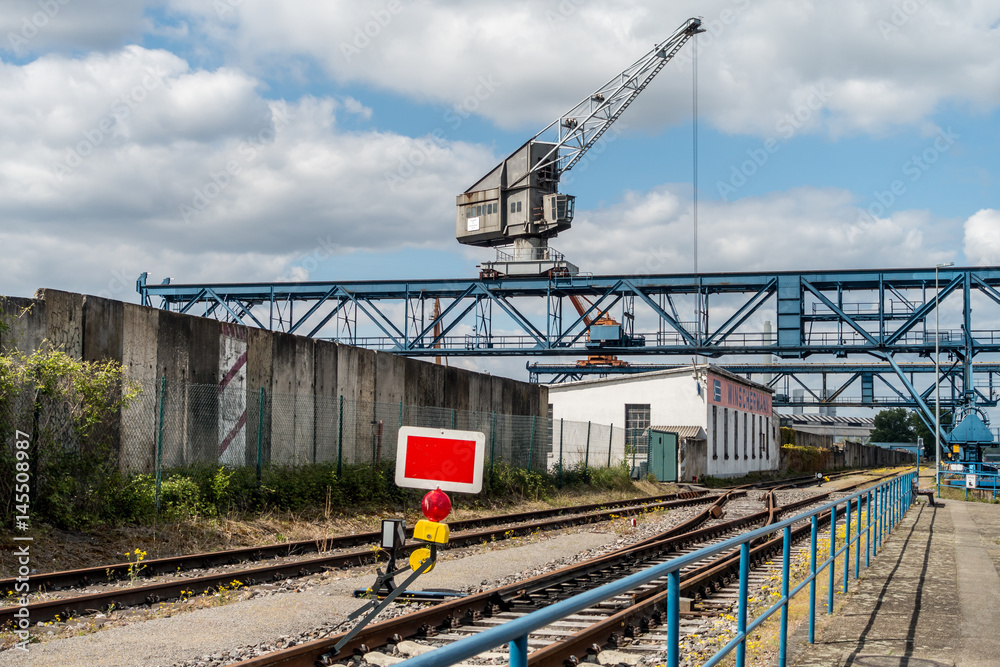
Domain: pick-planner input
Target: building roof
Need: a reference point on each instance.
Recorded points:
(829, 420)
(681, 371)
(683, 432)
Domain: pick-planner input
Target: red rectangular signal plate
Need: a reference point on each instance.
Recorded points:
(432, 458)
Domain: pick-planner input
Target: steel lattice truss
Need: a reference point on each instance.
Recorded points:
(840, 384)
(885, 314)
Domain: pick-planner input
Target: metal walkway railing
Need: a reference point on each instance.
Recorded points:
(885, 504)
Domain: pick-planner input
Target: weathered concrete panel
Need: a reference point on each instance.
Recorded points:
(390, 378)
(103, 324)
(456, 388)
(139, 331)
(63, 320)
(282, 390)
(260, 365)
(203, 403)
(24, 321)
(327, 404)
(305, 400)
(173, 347)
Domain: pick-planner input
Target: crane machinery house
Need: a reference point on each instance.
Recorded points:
(679, 424)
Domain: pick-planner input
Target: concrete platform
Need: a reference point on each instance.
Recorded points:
(931, 598)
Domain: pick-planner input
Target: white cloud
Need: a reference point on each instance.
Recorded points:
(759, 61)
(133, 159)
(982, 238)
(799, 229)
(34, 26)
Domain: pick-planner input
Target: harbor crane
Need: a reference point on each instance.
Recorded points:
(518, 206)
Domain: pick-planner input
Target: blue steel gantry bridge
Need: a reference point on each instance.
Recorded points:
(889, 322)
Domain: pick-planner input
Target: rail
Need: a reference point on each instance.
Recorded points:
(890, 500)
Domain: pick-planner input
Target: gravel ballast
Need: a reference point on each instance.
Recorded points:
(210, 635)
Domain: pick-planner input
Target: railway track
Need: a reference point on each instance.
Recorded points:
(505, 527)
(615, 622)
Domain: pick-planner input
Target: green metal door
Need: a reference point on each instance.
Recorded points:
(663, 456)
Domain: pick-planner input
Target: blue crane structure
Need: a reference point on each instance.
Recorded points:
(887, 316)
(843, 384)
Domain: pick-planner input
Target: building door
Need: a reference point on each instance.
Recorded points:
(663, 456)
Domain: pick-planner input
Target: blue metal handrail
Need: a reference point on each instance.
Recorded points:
(890, 500)
(987, 479)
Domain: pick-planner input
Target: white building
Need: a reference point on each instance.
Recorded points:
(725, 424)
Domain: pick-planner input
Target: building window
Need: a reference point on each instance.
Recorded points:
(744, 435)
(736, 436)
(512, 208)
(715, 431)
(753, 436)
(725, 433)
(636, 424)
(765, 435)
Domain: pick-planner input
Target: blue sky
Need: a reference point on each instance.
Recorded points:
(243, 140)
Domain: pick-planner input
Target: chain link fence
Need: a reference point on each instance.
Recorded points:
(172, 426)
(168, 428)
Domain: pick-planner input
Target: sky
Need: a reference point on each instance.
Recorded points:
(243, 140)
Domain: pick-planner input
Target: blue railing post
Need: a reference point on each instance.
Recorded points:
(786, 552)
(857, 541)
(673, 618)
(812, 582)
(741, 620)
(833, 559)
(879, 518)
(868, 530)
(519, 652)
(847, 544)
(893, 501)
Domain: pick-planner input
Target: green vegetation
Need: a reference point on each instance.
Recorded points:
(902, 425)
(805, 459)
(70, 409)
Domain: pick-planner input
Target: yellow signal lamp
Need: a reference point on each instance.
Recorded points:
(431, 531)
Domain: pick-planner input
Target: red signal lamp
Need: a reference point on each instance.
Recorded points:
(436, 505)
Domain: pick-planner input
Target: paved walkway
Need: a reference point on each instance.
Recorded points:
(931, 598)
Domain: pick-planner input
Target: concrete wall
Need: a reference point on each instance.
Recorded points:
(675, 399)
(202, 358)
(847, 455)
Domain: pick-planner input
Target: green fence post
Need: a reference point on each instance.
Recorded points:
(560, 452)
(159, 441)
(611, 436)
(531, 443)
(340, 437)
(453, 413)
(586, 453)
(260, 434)
(493, 442)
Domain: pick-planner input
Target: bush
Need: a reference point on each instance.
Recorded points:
(805, 459)
(70, 409)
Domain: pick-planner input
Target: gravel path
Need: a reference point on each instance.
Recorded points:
(273, 619)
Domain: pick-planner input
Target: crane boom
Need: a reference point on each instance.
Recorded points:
(583, 125)
(519, 201)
